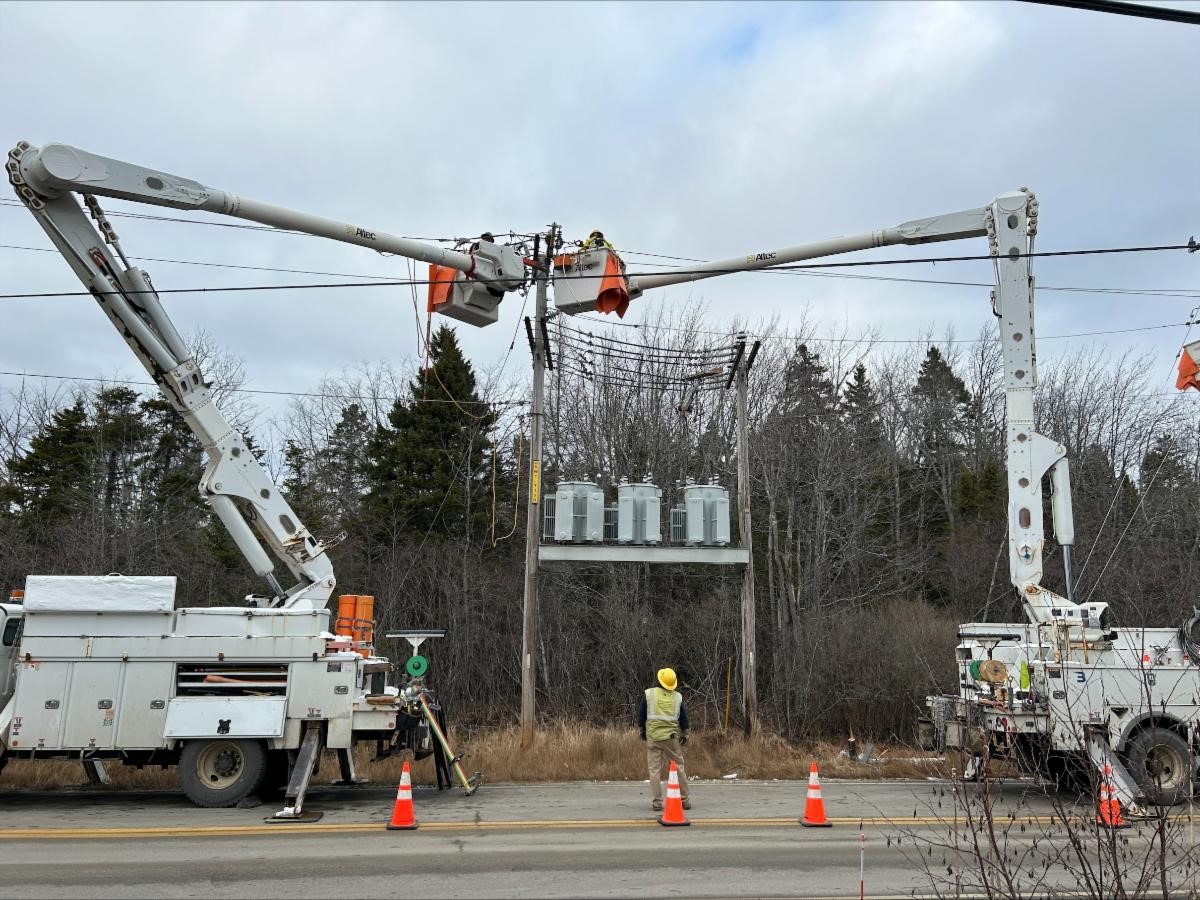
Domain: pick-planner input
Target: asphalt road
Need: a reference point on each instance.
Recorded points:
(563, 840)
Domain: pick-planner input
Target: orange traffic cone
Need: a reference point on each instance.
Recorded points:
(814, 806)
(673, 812)
(403, 818)
(1108, 812)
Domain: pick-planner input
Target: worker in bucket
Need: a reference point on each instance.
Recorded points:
(664, 724)
(596, 241)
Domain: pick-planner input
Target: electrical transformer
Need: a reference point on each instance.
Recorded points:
(578, 512)
(705, 514)
(638, 512)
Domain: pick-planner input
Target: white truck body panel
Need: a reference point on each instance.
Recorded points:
(99, 594)
(139, 675)
(142, 709)
(1068, 698)
(235, 717)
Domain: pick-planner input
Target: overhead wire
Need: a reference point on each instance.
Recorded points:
(700, 273)
(663, 350)
(312, 394)
(516, 490)
(1141, 499)
(1136, 292)
(648, 357)
(590, 356)
(866, 339)
(1117, 7)
(239, 225)
(1152, 292)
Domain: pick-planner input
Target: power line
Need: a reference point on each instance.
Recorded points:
(372, 397)
(1137, 292)
(214, 265)
(1149, 292)
(870, 340)
(698, 272)
(241, 225)
(1116, 7)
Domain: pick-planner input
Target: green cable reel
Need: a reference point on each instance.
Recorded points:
(416, 666)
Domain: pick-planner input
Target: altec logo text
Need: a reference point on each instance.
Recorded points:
(360, 232)
(759, 257)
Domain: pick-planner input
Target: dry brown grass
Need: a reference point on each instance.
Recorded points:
(560, 752)
(576, 752)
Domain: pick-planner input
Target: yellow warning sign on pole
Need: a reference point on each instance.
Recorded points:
(535, 481)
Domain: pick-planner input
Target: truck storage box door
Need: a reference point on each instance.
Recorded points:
(92, 704)
(202, 717)
(40, 702)
(142, 709)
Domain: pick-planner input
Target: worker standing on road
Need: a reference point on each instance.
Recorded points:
(664, 725)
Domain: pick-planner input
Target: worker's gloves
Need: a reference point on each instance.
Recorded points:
(683, 738)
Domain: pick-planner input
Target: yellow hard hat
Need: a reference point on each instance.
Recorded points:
(666, 677)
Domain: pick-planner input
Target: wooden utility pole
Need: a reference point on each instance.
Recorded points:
(533, 523)
(749, 682)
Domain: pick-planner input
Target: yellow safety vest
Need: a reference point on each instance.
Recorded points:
(662, 713)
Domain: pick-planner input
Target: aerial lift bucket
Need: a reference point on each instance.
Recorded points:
(591, 281)
(452, 294)
(1188, 368)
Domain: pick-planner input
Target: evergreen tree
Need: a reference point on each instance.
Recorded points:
(808, 394)
(343, 464)
(982, 497)
(1163, 468)
(47, 482)
(327, 487)
(173, 462)
(428, 466)
(941, 402)
(120, 435)
(861, 415)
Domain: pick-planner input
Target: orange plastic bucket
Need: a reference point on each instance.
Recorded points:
(347, 612)
(365, 622)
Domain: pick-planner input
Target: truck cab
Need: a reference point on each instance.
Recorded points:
(12, 616)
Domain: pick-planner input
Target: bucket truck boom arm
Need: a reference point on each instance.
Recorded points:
(1010, 224)
(234, 484)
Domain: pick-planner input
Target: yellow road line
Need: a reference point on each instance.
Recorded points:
(168, 831)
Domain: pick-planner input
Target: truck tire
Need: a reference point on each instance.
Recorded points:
(1158, 762)
(221, 772)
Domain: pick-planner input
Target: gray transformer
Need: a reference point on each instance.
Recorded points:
(705, 514)
(639, 513)
(578, 512)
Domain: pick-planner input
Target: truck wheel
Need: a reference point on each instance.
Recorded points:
(220, 773)
(1158, 762)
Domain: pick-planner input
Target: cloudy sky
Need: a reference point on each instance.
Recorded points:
(696, 130)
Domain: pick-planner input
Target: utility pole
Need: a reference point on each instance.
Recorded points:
(749, 682)
(533, 523)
